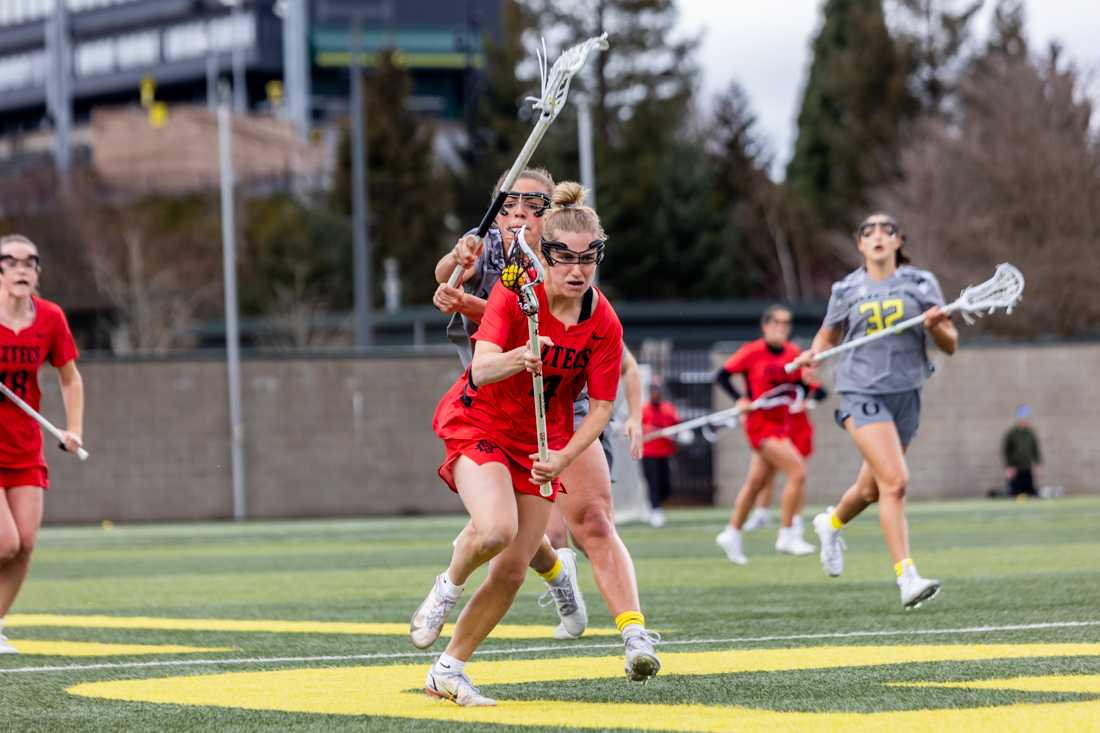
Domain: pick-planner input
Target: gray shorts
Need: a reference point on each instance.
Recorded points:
(901, 408)
(580, 412)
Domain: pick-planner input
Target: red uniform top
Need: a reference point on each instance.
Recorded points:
(590, 351)
(21, 354)
(654, 417)
(763, 369)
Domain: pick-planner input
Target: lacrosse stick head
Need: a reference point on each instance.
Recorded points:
(1003, 290)
(556, 80)
(522, 272)
(788, 394)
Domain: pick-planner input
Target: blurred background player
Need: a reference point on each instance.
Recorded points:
(880, 387)
(761, 364)
(1020, 450)
(800, 429)
(32, 332)
(657, 414)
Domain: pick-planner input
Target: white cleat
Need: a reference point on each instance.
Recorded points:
(641, 657)
(729, 539)
(757, 520)
(5, 647)
(832, 544)
(657, 519)
(427, 623)
(565, 593)
(915, 590)
(457, 688)
(790, 542)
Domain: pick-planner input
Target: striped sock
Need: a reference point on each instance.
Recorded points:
(552, 574)
(629, 618)
(899, 567)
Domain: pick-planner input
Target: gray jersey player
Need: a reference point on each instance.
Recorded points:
(880, 388)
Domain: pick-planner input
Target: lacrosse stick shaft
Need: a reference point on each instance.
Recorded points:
(546, 490)
(721, 415)
(522, 160)
(49, 427)
(888, 331)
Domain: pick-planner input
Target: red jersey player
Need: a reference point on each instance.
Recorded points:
(761, 364)
(801, 432)
(487, 423)
(32, 332)
(657, 453)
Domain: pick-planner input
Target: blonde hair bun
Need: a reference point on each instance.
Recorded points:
(567, 195)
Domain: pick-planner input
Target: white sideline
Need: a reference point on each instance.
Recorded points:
(553, 648)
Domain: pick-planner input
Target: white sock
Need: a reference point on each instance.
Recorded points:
(450, 588)
(446, 664)
(732, 531)
(632, 630)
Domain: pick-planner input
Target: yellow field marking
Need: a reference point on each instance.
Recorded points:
(27, 620)
(394, 691)
(94, 649)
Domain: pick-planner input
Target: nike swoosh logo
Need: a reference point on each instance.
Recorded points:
(444, 666)
(598, 338)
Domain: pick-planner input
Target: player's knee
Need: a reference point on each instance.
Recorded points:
(508, 576)
(493, 539)
(595, 526)
(26, 544)
(796, 473)
(894, 484)
(869, 493)
(9, 548)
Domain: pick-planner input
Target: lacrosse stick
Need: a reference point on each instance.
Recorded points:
(1003, 290)
(784, 394)
(555, 89)
(80, 452)
(521, 274)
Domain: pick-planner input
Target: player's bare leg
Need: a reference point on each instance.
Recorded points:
(783, 456)
(586, 506)
(758, 476)
(20, 517)
(880, 447)
(507, 571)
(558, 567)
(487, 493)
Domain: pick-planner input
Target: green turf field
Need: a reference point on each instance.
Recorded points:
(132, 628)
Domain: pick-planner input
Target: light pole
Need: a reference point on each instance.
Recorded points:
(229, 274)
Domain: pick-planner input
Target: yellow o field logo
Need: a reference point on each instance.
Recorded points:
(394, 691)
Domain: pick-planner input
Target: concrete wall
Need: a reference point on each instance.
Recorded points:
(322, 438)
(341, 436)
(967, 406)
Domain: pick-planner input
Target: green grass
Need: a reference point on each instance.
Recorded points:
(1001, 564)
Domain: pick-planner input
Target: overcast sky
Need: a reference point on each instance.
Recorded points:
(765, 47)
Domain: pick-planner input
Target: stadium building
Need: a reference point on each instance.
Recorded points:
(179, 48)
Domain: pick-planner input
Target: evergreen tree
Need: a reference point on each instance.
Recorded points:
(854, 103)
(409, 198)
(933, 36)
(641, 91)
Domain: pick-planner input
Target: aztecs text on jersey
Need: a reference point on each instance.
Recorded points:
(587, 352)
(48, 339)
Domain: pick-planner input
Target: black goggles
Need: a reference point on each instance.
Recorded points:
(558, 253)
(32, 262)
(867, 228)
(535, 204)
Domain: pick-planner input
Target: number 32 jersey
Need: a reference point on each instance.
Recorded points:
(588, 352)
(860, 306)
(21, 355)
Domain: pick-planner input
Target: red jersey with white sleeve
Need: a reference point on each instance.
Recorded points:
(763, 369)
(48, 338)
(656, 417)
(496, 422)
